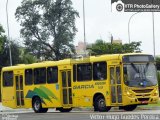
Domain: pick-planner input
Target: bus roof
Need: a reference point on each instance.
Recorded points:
(70, 61)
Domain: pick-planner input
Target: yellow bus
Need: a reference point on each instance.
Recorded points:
(102, 82)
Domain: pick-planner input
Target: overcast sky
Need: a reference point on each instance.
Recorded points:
(100, 23)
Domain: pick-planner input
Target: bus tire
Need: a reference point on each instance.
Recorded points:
(100, 104)
(130, 107)
(37, 106)
(44, 110)
(64, 109)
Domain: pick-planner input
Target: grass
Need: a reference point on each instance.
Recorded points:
(158, 104)
(152, 105)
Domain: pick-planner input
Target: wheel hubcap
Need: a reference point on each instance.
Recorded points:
(37, 105)
(102, 103)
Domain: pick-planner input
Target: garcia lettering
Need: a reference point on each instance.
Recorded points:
(83, 86)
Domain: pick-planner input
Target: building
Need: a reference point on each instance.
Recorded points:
(80, 48)
(117, 41)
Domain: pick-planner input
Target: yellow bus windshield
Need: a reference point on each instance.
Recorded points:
(140, 75)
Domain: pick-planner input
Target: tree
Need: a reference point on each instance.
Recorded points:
(48, 26)
(100, 47)
(132, 47)
(3, 45)
(4, 59)
(19, 55)
(4, 50)
(25, 57)
(158, 63)
(2, 38)
(158, 71)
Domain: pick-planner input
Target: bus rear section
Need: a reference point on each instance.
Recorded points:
(37, 86)
(7, 89)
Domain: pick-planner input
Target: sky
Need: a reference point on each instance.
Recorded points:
(101, 22)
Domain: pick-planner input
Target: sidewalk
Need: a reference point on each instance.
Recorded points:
(22, 110)
(7, 110)
(4, 109)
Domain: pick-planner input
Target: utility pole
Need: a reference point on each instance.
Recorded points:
(129, 39)
(154, 53)
(84, 27)
(9, 42)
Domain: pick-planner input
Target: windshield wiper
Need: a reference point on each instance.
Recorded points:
(134, 67)
(138, 70)
(146, 68)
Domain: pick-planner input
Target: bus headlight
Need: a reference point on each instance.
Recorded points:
(129, 94)
(155, 93)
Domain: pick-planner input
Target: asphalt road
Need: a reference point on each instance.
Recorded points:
(83, 115)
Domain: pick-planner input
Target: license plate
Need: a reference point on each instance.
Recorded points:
(144, 102)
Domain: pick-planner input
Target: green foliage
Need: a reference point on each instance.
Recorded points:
(17, 55)
(48, 27)
(5, 59)
(100, 47)
(158, 77)
(4, 50)
(25, 57)
(132, 47)
(158, 59)
(158, 71)
(2, 38)
(158, 63)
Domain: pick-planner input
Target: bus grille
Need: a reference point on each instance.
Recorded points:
(143, 91)
(144, 95)
(143, 99)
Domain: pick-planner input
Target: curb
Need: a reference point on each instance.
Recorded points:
(17, 110)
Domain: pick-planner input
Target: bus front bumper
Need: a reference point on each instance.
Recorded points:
(140, 100)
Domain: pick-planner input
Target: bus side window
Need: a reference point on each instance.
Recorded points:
(8, 79)
(125, 74)
(125, 70)
(84, 72)
(99, 71)
(28, 77)
(39, 75)
(74, 73)
(52, 74)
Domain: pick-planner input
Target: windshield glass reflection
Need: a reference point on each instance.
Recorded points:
(140, 75)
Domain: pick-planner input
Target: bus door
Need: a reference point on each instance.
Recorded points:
(19, 90)
(115, 85)
(66, 88)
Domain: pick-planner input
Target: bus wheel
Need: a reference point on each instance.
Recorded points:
(100, 104)
(37, 106)
(44, 110)
(130, 107)
(64, 109)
